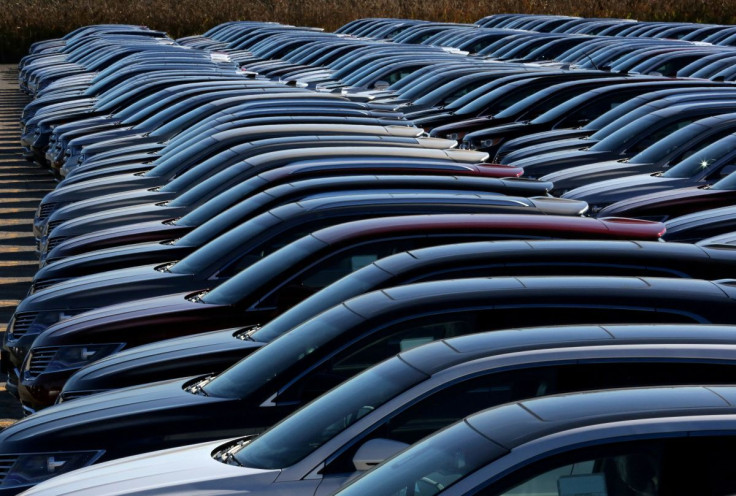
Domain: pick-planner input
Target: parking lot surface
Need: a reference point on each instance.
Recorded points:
(22, 185)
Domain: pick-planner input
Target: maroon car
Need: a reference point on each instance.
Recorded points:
(106, 330)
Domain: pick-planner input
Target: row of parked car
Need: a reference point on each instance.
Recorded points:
(458, 259)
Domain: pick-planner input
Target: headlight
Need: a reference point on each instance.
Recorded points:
(67, 357)
(487, 143)
(30, 469)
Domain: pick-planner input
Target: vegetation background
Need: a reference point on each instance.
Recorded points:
(24, 21)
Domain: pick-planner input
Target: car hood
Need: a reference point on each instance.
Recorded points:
(117, 217)
(209, 352)
(114, 200)
(545, 163)
(661, 202)
(115, 257)
(582, 175)
(109, 167)
(702, 224)
(613, 190)
(187, 470)
(543, 144)
(130, 321)
(97, 422)
(107, 288)
(101, 186)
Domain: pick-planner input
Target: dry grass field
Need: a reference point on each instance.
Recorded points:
(25, 21)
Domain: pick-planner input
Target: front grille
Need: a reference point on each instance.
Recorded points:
(6, 463)
(46, 210)
(45, 283)
(54, 242)
(23, 321)
(40, 359)
(72, 395)
(54, 224)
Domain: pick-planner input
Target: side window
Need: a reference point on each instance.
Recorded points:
(676, 466)
(633, 472)
(369, 351)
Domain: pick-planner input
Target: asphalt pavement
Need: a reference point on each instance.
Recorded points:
(22, 185)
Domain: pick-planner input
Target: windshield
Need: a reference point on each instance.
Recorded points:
(191, 116)
(151, 109)
(217, 248)
(664, 147)
(625, 109)
(480, 91)
(429, 466)
(451, 90)
(324, 418)
(357, 283)
(173, 162)
(620, 139)
(202, 169)
(500, 99)
(260, 274)
(216, 205)
(295, 349)
(127, 115)
(704, 158)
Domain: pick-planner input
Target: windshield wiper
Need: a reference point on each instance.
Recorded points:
(227, 455)
(198, 387)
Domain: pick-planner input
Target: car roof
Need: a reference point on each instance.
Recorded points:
(439, 355)
(516, 423)
(604, 226)
(640, 292)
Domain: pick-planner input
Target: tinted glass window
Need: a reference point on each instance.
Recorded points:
(681, 466)
(434, 465)
(309, 428)
(703, 158)
(459, 400)
(370, 350)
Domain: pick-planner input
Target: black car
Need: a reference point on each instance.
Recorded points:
(322, 352)
(215, 351)
(351, 428)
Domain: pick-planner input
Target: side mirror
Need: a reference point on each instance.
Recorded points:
(381, 85)
(727, 170)
(375, 451)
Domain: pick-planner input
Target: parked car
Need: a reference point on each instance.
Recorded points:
(317, 353)
(209, 199)
(628, 140)
(215, 351)
(396, 403)
(242, 298)
(274, 155)
(661, 156)
(610, 442)
(702, 225)
(703, 167)
(609, 122)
